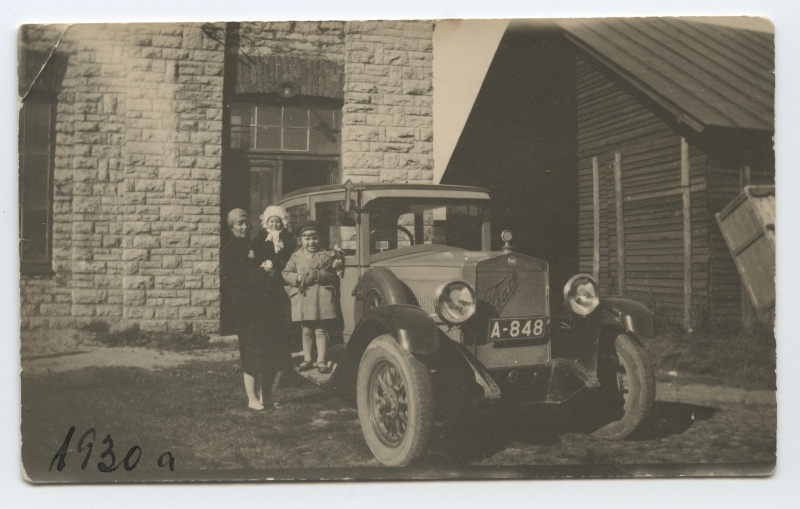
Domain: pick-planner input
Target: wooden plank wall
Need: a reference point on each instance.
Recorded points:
(610, 122)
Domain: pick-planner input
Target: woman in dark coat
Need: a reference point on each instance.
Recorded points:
(272, 248)
(248, 284)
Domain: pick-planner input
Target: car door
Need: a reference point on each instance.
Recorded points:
(338, 228)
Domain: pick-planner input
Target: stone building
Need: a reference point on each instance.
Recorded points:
(135, 139)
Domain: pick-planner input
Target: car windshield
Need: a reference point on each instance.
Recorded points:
(396, 223)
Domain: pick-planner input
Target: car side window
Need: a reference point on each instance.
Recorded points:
(337, 228)
(298, 215)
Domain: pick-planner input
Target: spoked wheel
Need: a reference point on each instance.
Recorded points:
(395, 402)
(629, 386)
(388, 404)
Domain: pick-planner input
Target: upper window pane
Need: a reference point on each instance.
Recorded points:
(241, 114)
(269, 115)
(295, 139)
(291, 128)
(240, 136)
(295, 117)
(268, 138)
(325, 131)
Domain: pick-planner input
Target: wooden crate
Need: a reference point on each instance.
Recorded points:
(748, 225)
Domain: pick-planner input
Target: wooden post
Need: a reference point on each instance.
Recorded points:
(687, 235)
(744, 177)
(596, 211)
(748, 313)
(620, 223)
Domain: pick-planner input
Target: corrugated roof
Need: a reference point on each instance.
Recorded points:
(707, 75)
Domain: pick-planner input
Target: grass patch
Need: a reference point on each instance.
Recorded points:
(745, 359)
(100, 332)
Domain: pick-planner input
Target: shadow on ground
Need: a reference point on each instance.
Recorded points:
(475, 435)
(478, 435)
(671, 418)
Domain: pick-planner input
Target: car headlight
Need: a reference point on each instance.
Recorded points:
(455, 302)
(581, 295)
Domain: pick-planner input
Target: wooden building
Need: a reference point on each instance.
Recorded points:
(612, 143)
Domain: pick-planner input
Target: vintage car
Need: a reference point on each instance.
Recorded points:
(434, 320)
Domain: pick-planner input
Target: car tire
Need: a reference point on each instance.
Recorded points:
(628, 387)
(394, 396)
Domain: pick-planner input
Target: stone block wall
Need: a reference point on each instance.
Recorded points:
(172, 178)
(304, 39)
(138, 153)
(46, 301)
(387, 118)
(136, 180)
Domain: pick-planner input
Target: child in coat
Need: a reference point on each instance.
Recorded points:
(313, 275)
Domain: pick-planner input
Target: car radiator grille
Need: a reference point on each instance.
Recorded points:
(513, 294)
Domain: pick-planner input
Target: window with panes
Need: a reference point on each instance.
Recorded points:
(286, 144)
(36, 151)
(280, 128)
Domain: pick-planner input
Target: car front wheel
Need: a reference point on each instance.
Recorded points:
(628, 386)
(395, 402)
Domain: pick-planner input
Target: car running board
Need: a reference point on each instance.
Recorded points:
(313, 375)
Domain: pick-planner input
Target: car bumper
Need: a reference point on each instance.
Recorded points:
(554, 382)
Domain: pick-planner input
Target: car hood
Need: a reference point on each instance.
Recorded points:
(451, 257)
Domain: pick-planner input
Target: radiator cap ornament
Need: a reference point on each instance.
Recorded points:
(506, 237)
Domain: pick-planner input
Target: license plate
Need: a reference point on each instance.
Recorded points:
(516, 328)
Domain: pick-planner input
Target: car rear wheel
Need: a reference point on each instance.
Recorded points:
(395, 402)
(628, 386)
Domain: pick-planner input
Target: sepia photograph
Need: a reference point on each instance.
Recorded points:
(400, 249)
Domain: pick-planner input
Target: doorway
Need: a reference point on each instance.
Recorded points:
(273, 178)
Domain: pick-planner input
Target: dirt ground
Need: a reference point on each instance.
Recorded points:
(692, 424)
(58, 351)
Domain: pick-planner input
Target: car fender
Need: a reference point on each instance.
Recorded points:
(593, 335)
(410, 326)
(389, 289)
(630, 315)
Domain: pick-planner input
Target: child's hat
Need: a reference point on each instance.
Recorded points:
(308, 226)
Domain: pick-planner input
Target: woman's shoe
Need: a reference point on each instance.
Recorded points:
(258, 407)
(323, 368)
